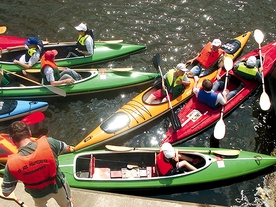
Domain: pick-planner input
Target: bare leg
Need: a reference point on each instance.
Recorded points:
(150, 99)
(184, 163)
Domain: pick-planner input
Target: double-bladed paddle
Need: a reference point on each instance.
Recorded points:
(219, 130)
(218, 151)
(176, 124)
(49, 87)
(264, 99)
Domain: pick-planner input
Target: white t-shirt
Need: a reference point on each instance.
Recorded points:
(49, 73)
(33, 59)
(89, 45)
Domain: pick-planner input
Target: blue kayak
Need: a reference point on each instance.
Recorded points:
(12, 109)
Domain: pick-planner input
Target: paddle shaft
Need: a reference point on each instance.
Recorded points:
(219, 152)
(11, 196)
(49, 87)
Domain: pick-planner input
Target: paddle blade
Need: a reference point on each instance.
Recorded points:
(228, 63)
(56, 90)
(219, 131)
(176, 124)
(265, 101)
(156, 61)
(33, 118)
(3, 29)
(259, 36)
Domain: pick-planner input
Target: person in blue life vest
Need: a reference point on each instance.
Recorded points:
(32, 56)
(50, 71)
(36, 165)
(170, 162)
(175, 81)
(209, 59)
(208, 93)
(85, 43)
(249, 69)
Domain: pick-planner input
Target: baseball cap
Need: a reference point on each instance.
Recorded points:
(251, 62)
(216, 42)
(81, 27)
(168, 150)
(31, 41)
(181, 66)
(50, 54)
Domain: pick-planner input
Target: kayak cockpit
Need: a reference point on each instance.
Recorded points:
(125, 165)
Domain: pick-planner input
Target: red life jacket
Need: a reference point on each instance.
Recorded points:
(207, 57)
(36, 170)
(162, 165)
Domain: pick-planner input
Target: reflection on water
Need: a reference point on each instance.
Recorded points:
(175, 29)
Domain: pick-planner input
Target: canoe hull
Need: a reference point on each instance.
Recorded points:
(93, 82)
(103, 52)
(11, 41)
(136, 113)
(106, 175)
(208, 117)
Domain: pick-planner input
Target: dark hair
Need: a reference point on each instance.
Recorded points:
(19, 130)
(207, 85)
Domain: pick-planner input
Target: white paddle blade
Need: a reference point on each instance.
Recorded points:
(265, 102)
(228, 63)
(259, 36)
(219, 131)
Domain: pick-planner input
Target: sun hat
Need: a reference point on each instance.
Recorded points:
(50, 54)
(251, 62)
(181, 66)
(216, 42)
(31, 41)
(168, 150)
(81, 27)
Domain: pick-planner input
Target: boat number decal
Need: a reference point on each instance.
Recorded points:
(102, 74)
(87, 139)
(220, 162)
(194, 115)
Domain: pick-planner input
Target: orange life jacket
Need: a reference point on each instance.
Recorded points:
(36, 170)
(207, 57)
(163, 166)
(45, 62)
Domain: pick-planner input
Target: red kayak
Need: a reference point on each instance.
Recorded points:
(11, 41)
(196, 117)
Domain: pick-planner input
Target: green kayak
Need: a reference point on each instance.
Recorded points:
(104, 51)
(92, 81)
(129, 168)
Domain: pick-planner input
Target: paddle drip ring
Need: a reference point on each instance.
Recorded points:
(258, 159)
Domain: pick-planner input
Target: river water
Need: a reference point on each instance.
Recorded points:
(175, 29)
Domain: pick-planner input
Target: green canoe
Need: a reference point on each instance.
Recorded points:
(130, 168)
(93, 81)
(104, 51)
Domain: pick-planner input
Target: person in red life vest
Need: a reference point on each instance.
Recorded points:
(50, 71)
(170, 162)
(36, 165)
(209, 59)
(175, 82)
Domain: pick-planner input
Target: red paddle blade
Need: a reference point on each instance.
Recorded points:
(33, 118)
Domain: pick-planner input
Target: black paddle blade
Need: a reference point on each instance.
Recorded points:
(176, 124)
(156, 61)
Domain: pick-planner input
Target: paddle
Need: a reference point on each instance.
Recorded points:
(3, 29)
(218, 151)
(176, 124)
(11, 196)
(84, 69)
(33, 118)
(49, 87)
(264, 99)
(45, 42)
(219, 130)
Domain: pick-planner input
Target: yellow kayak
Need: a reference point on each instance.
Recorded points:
(137, 113)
